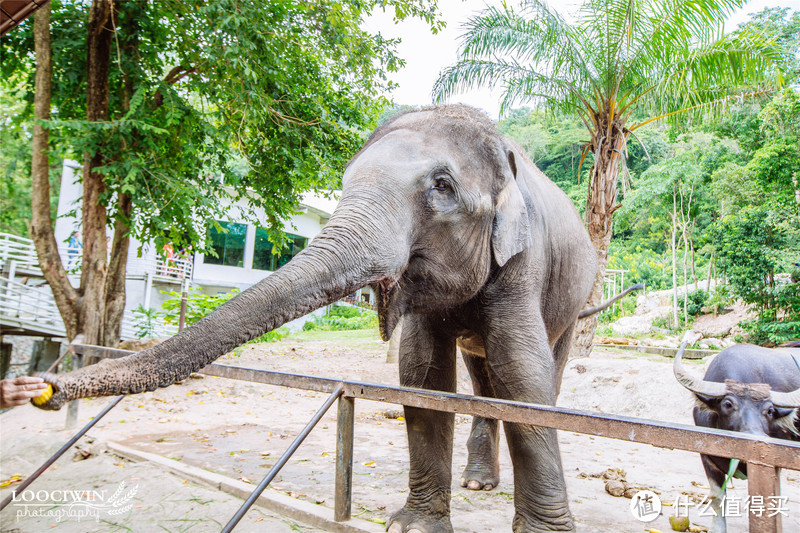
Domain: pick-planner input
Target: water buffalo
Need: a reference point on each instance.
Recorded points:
(749, 389)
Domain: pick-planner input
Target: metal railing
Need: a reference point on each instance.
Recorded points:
(22, 251)
(18, 249)
(764, 456)
(34, 309)
(29, 307)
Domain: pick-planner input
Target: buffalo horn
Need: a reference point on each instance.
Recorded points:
(786, 399)
(698, 386)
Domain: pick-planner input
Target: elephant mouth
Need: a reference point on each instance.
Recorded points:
(389, 313)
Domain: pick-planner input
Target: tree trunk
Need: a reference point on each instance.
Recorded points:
(95, 247)
(708, 276)
(115, 281)
(66, 297)
(674, 260)
(600, 207)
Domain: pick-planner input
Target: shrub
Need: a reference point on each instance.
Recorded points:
(145, 322)
(696, 301)
(273, 336)
(341, 318)
(198, 305)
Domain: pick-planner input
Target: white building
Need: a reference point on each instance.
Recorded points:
(244, 255)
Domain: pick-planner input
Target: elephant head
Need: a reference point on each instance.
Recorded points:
(429, 206)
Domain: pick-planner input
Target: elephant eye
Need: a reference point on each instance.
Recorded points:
(441, 182)
(772, 412)
(441, 185)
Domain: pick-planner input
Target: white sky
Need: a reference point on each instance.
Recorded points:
(426, 54)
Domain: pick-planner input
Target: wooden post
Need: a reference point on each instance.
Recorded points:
(764, 482)
(343, 496)
(182, 318)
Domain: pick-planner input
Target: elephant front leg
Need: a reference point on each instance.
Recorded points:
(427, 360)
(540, 493)
(523, 369)
(483, 464)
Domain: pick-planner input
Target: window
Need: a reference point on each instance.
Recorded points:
(228, 244)
(264, 259)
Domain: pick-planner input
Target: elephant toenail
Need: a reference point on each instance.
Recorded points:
(488, 486)
(395, 528)
(474, 485)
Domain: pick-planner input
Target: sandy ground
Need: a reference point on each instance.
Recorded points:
(240, 429)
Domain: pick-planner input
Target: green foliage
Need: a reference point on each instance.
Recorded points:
(272, 336)
(198, 305)
(341, 318)
(625, 307)
(747, 245)
(212, 99)
(720, 298)
(15, 160)
(643, 265)
(344, 311)
(784, 27)
(696, 300)
(774, 167)
(765, 331)
(146, 322)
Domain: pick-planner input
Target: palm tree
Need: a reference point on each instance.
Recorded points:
(621, 65)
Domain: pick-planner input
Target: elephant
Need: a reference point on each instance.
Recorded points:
(462, 237)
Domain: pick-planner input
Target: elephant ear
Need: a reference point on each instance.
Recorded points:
(512, 228)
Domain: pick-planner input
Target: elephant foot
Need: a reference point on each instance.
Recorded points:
(483, 466)
(408, 521)
(536, 524)
(480, 477)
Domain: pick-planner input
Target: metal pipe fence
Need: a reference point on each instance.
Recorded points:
(765, 456)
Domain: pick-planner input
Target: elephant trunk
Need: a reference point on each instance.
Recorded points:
(349, 253)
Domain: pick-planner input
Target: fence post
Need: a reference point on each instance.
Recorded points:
(344, 460)
(148, 288)
(765, 481)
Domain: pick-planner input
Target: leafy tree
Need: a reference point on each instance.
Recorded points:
(175, 107)
(623, 64)
(784, 27)
(758, 237)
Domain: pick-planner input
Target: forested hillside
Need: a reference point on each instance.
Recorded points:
(717, 198)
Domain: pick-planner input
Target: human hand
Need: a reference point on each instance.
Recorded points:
(18, 391)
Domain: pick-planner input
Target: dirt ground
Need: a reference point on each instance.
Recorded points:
(240, 429)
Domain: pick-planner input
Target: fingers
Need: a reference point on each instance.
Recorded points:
(19, 391)
(27, 380)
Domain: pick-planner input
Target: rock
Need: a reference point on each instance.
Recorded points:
(692, 337)
(631, 325)
(615, 488)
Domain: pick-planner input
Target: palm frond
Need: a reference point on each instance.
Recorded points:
(535, 37)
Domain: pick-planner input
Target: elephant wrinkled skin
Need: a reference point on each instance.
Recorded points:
(470, 244)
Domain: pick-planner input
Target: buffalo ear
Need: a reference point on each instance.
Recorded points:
(511, 233)
(712, 402)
